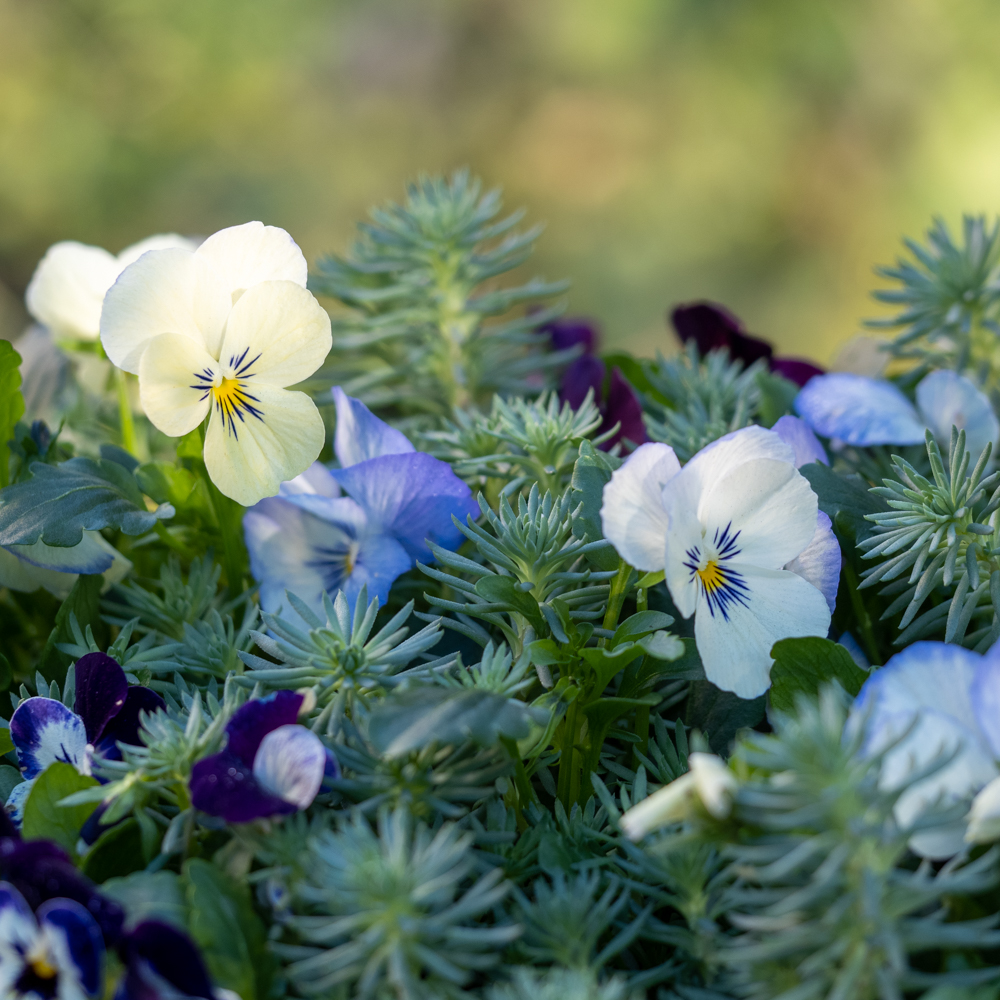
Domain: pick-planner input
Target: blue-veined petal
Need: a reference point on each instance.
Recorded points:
(858, 410)
(75, 941)
(290, 763)
(947, 399)
(45, 731)
(360, 435)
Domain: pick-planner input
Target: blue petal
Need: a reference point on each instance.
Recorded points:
(858, 410)
(45, 731)
(84, 943)
(15, 801)
(12, 905)
(223, 785)
(986, 697)
(947, 399)
(360, 435)
(413, 498)
(316, 480)
(799, 436)
(254, 720)
(290, 763)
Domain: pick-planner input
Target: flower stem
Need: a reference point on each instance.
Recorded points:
(125, 413)
(616, 598)
(229, 515)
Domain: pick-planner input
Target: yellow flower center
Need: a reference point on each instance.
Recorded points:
(234, 402)
(42, 967)
(711, 576)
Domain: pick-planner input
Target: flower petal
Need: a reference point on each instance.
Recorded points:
(18, 574)
(984, 693)
(584, 374)
(632, 513)
(68, 287)
(124, 727)
(162, 241)
(796, 370)
(101, 690)
(251, 458)
(246, 255)
(360, 435)
(254, 720)
(277, 332)
(14, 806)
(45, 731)
(798, 435)
(76, 940)
(819, 563)
(156, 954)
(224, 785)
(412, 497)
(735, 643)
(290, 763)
(858, 410)
(164, 291)
(176, 377)
(946, 399)
(622, 408)
(567, 332)
(316, 481)
(712, 327)
(91, 555)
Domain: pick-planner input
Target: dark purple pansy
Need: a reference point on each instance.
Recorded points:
(270, 765)
(569, 332)
(161, 962)
(711, 327)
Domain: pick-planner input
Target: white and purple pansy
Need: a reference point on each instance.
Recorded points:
(57, 952)
(360, 525)
(270, 765)
(107, 710)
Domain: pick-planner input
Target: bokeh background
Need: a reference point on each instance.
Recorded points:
(765, 154)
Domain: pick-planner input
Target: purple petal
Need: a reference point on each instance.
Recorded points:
(254, 720)
(712, 327)
(156, 953)
(584, 374)
(101, 690)
(290, 764)
(567, 333)
(11, 901)
(820, 562)
(623, 407)
(360, 435)
(413, 497)
(124, 727)
(858, 410)
(84, 943)
(45, 731)
(795, 369)
(798, 434)
(224, 785)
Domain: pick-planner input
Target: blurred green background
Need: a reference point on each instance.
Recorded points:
(764, 154)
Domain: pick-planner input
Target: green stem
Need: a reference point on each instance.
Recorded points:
(125, 413)
(229, 515)
(617, 595)
(861, 614)
(567, 759)
(521, 783)
(642, 731)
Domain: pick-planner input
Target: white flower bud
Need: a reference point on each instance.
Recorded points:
(984, 816)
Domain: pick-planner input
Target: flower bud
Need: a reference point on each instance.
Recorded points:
(984, 816)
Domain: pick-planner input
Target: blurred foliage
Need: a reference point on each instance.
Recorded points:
(760, 154)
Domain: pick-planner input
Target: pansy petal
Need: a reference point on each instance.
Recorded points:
(798, 435)
(360, 435)
(164, 291)
(277, 332)
(984, 694)
(250, 456)
(176, 376)
(124, 727)
(623, 408)
(14, 806)
(858, 410)
(632, 513)
(68, 287)
(946, 399)
(246, 255)
(101, 689)
(568, 331)
(290, 763)
(316, 480)
(712, 327)
(162, 241)
(91, 555)
(223, 785)
(735, 637)
(12, 903)
(796, 370)
(18, 574)
(819, 563)
(583, 375)
(254, 720)
(76, 940)
(162, 961)
(44, 731)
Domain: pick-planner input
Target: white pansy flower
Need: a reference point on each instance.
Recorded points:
(56, 568)
(223, 330)
(68, 287)
(726, 530)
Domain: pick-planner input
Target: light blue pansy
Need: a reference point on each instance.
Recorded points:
(360, 525)
(934, 701)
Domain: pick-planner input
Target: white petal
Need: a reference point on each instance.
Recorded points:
(246, 255)
(163, 241)
(669, 804)
(18, 796)
(176, 375)
(720, 457)
(947, 399)
(632, 514)
(17, 574)
(735, 645)
(819, 563)
(66, 291)
(91, 555)
(315, 481)
(164, 291)
(716, 784)
(984, 817)
(290, 763)
(277, 331)
(250, 457)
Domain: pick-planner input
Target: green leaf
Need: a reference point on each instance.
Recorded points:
(845, 500)
(149, 896)
(84, 601)
(720, 715)
(420, 716)
(118, 852)
(502, 590)
(591, 474)
(228, 931)
(43, 816)
(777, 397)
(166, 483)
(805, 665)
(6, 743)
(11, 404)
(640, 624)
(58, 503)
(9, 777)
(6, 673)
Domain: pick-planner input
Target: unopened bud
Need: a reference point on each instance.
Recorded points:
(984, 816)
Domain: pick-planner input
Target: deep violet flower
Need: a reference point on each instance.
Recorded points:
(161, 963)
(712, 326)
(107, 709)
(619, 404)
(270, 766)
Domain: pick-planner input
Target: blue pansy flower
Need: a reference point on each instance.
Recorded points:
(105, 713)
(270, 766)
(360, 525)
(862, 411)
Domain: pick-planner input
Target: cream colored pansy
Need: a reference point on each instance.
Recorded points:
(223, 330)
(68, 287)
